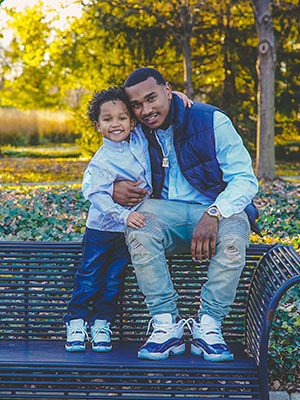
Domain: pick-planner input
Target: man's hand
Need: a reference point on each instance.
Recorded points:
(127, 193)
(205, 238)
(135, 220)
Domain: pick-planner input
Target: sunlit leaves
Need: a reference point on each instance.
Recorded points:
(28, 78)
(51, 68)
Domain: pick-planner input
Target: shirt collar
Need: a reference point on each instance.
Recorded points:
(165, 132)
(115, 145)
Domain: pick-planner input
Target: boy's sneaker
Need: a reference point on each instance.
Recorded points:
(166, 338)
(100, 333)
(208, 340)
(76, 333)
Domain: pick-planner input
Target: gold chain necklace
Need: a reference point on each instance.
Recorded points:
(165, 160)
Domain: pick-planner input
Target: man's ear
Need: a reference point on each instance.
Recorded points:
(168, 89)
(132, 123)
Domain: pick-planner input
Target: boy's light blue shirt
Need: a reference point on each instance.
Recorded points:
(115, 161)
(235, 163)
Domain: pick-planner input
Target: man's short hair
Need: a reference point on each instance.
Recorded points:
(142, 74)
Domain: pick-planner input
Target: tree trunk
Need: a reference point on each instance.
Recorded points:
(266, 62)
(229, 88)
(185, 16)
(187, 66)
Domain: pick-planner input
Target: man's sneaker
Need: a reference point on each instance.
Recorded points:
(166, 338)
(208, 340)
(76, 333)
(100, 333)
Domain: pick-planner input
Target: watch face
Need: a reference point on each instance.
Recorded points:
(214, 212)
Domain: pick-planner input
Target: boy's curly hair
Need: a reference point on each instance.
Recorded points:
(112, 93)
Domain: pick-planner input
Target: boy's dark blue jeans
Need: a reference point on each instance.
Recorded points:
(99, 279)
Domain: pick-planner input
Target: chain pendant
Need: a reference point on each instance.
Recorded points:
(165, 162)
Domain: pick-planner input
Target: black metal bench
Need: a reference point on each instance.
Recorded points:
(36, 283)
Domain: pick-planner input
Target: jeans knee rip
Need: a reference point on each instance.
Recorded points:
(138, 248)
(232, 253)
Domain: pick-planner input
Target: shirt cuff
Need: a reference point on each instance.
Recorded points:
(124, 215)
(224, 207)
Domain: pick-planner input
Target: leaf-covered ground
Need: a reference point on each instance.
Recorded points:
(22, 170)
(42, 213)
(59, 212)
(279, 206)
(58, 165)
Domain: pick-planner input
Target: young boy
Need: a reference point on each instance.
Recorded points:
(123, 156)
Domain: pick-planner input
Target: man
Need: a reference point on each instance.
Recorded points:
(202, 182)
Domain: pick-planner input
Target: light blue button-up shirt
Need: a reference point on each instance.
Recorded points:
(235, 163)
(112, 162)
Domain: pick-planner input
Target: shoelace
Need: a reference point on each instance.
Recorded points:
(210, 331)
(103, 330)
(78, 330)
(160, 329)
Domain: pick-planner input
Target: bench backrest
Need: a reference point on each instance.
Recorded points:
(36, 280)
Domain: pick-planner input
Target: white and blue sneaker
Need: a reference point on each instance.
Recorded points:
(100, 334)
(76, 333)
(208, 341)
(166, 338)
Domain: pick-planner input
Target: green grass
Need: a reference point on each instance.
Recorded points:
(51, 151)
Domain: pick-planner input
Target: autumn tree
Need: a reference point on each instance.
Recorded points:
(28, 66)
(177, 17)
(51, 68)
(286, 18)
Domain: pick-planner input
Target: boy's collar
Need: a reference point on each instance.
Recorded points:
(114, 145)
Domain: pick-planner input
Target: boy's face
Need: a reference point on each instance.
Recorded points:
(151, 102)
(114, 121)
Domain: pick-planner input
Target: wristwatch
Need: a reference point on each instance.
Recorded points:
(213, 211)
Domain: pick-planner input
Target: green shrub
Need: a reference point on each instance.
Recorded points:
(284, 346)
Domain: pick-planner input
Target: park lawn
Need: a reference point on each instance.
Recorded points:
(58, 169)
(23, 170)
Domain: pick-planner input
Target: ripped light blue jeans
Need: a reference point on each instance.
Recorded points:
(168, 230)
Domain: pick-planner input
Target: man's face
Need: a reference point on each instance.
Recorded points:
(151, 102)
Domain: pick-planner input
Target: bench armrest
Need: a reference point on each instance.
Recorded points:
(278, 270)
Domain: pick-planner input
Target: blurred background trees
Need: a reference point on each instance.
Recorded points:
(205, 48)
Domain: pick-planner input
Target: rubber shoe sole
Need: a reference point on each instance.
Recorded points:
(101, 349)
(76, 347)
(174, 351)
(196, 351)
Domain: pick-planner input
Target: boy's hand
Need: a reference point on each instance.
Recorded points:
(127, 193)
(135, 220)
(186, 101)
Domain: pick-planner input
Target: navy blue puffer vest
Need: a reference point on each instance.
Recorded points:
(194, 143)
